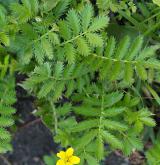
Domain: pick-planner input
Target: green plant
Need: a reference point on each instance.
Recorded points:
(7, 96)
(88, 77)
(126, 5)
(7, 99)
(50, 160)
(126, 57)
(153, 154)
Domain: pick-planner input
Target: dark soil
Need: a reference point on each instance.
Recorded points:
(114, 159)
(30, 144)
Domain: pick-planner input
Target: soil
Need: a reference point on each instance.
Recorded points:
(114, 159)
(30, 144)
(32, 139)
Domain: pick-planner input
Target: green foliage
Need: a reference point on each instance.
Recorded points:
(127, 5)
(7, 99)
(49, 160)
(106, 118)
(157, 2)
(51, 80)
(123, 59)
(146, 21)
(69, 38)
(153, 154)
(83, 37)
(89, 82)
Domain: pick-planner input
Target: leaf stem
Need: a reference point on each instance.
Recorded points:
(72, 39)
(151, 17)
(54, 116)
(101, 115)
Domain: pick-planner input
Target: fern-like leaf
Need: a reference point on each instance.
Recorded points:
(86, 16)
(98, 23)
(112, 140)
(74, 22)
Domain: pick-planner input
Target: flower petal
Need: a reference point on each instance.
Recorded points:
(74, 160)
(61, 155)
(60, 162)
(69, 152)
(68, 163)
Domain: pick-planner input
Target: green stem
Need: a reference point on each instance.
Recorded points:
(114, 60)
(146, 20)
(54, 116)
(72, 39)
(44, 35)
(63, 43)
(101, 116)
(145, 63)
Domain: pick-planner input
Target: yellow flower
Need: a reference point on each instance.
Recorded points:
(67, 158)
